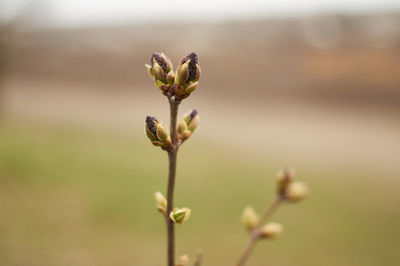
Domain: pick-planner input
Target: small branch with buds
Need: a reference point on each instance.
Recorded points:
(176, 86)
(287, 190)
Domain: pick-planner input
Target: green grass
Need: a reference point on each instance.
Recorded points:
(74, 196)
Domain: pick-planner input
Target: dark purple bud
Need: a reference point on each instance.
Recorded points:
(193, 115)
(193, 66)
(162, 60)
(151, 123)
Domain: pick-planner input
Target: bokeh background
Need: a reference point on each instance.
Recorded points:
(311, 84)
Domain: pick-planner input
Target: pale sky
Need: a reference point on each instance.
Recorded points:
(86, 12)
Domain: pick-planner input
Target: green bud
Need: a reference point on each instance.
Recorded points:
(182, 127)
(249, 217)
(162, 132)
(171, 77)
(161, 202)
(188, 124)
(182, 74)
(271, 230)
(194, 122)
(159, 73)
(297, 191)
(180, 215)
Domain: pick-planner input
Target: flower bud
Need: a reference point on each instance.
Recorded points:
(284, 178)
(187, 75)
(180, 215)
(249, 217)
(157, 132)
(188, 124)
(182, 73)
(271, 230)
(159, 69)
(171, 77)
(161, 202)
(183, 260)
(297, 191)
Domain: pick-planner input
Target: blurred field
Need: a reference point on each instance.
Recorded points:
(77, 174)
(84, 197)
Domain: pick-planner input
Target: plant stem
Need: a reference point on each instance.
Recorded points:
(269, 211)
(172, 155)
(247, 250)
(254, 233)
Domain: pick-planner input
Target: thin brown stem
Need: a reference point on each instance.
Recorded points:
(269, 211)
(247, 250)
(254, 234)
(172, 156)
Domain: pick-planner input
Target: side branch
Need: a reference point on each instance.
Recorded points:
(255, 234)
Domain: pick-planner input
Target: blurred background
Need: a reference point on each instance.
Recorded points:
(311, 84)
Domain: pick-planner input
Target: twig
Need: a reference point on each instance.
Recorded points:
(172, 156)
(254, 234)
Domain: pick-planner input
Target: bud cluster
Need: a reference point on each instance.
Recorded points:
(158, 133)
(289, 190)
(188, 124)
(180, 83)
(160, 69)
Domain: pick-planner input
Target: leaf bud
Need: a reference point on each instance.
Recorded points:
(270, 231)
(180, 215)
(249, 217)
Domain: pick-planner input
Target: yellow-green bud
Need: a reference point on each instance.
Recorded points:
(159, 68)
(183, 260)
(271, 230)
(158, 133)
(158, 72)
(284, 178)
(194, 122)
(182, 127)
(187, 75)
(297, 191)
(180, 215)
(249, 217)
(182, 74)
(162, 132)
(188, 124)
(171, 77)
(161, 202)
